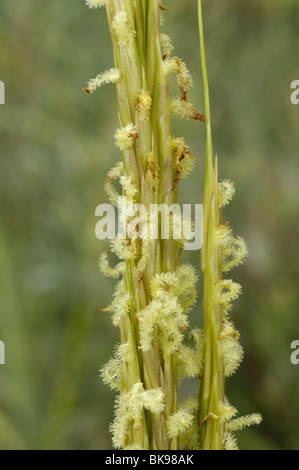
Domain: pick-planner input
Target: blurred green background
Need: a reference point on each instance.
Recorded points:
(56, 148)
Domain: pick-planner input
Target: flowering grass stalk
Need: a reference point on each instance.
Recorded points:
(155, 291)
(221, 252)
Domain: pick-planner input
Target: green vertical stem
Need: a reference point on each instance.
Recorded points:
(212, 383)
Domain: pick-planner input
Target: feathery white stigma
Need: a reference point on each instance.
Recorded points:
(126, 136)
(94, 4)
(123, 30)
(109, 76)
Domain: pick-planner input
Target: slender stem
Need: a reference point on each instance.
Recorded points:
(212, 384)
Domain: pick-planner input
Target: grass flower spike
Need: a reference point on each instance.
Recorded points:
(155, 291)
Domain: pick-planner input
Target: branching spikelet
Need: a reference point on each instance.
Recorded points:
(183, 160)
(230, 441)
(170, 65)
(227, 291)
(126, 136)
(148, 319)
(120, 306)
(197, 336)
(106, 269)
(123, 30)
(226, 411)
(145, 252)
(185, 289)
(190, 404)
(233, 253)
(232, 352)
(115, 173)
(95, 3)
(228, 329)
(190, 438)
(160, 284)
(129, 407)
(111, 373)
(226, 191)
(154, 170)
(189, 362)
(184, 80)
(129, 188)
(166, 312)
(244, 422)
(223, 235)
(185, 109)
(178, 423)
(166, 45)
(124, 249)
(153, 400)
(183, 77)
(171, 333)
(144, 104)
(109, 76)
(233, 250)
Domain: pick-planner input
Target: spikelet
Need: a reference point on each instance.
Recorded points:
(170, 65)
(223, 235)
(109, 76)
(124, 249)
(106, 269)
(230, 441)
(185, 288)
(94, 4)
(244, 422)
(226, 191)
(129, 188)
(124, 32)
(115, 173)
(183, 160)
(189, 362)
(178, 423)
(145, 252)
(197, 336)
(227, 291)
(166, 310)
(144, 104)
(153, 400)
(120, 426)
(190, 438)
(166, 45)
(185, 109)
(226, 411)
(120, 306)
(233, 253)
(190, 404)
(111, 373)
(126, 136)
(129, 407)
(232, 352)
(154, 170)
(148, 319)
(160, 284)
(184, 80)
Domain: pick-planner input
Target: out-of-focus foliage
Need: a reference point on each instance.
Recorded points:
(56, 147)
